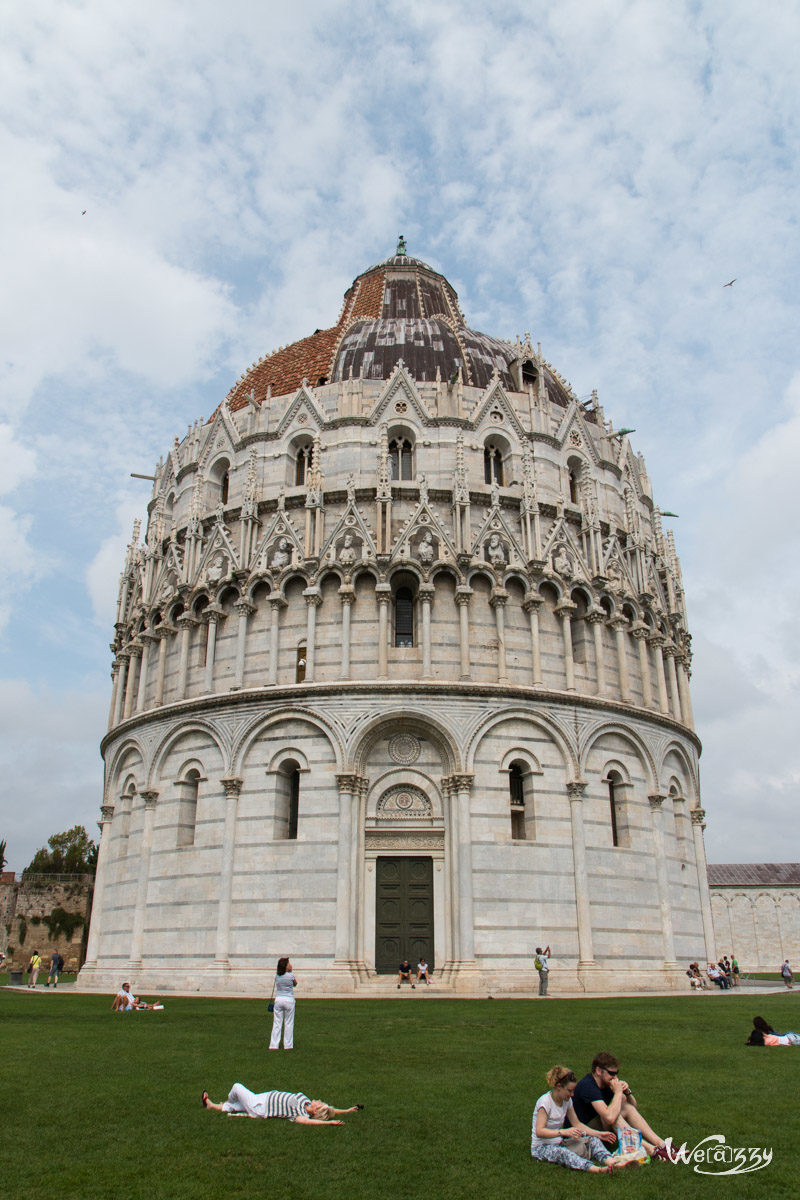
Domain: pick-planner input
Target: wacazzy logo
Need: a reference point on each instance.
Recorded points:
(713, 1156)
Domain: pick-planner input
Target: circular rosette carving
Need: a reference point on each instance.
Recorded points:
(404, 749)
(404, 803)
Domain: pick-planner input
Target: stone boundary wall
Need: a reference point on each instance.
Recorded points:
(25, 905)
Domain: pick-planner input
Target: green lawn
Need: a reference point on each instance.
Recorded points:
(99, 1105)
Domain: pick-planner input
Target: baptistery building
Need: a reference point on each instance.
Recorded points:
(401, 669)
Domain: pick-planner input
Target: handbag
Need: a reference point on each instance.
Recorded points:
(271, 1005)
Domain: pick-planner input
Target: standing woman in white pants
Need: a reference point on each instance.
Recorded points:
(283, 1016)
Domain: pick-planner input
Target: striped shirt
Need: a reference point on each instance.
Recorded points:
(288, 1105)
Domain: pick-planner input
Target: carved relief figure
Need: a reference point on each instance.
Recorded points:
(282, 555)
(562, 561)
(496, 551)
(217, 569)
(426, 551)
(347, 553)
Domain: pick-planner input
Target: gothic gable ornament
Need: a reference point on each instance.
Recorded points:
(400, 389)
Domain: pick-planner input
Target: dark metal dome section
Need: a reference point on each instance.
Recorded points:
(400, 309)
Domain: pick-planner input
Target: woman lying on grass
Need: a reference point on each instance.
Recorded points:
(763, 1034)
(291, 1106)
(555, 1123)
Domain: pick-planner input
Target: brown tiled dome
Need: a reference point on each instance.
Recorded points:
(399, 309)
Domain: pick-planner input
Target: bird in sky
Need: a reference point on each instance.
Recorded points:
(83, 214)
(732, 282)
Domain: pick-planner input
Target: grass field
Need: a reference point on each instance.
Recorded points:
(99, 1105)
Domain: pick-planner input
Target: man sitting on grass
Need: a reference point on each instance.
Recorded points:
(603, 1101)
(125, 1001)
(291, 1106)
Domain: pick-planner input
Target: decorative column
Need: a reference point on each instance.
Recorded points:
(162, 632)
(532, 603)
(106, 813)
(461, 786)
(682, 666)
(211, 616)
(347, 596)
(112, 708)
(619, 625)
(575, 791)
(640, 631)
(313, 600)
(221, 960)
(498, 601)
(596, 617)
(135, 649)
(147, 640)
(698, 825)
(451, 843)
(425, 594)
(245, 610)
(657, 817)
(346, 873)
(659, 641)
(186, 624)
(670, 650)
(383, 594)
(149, 797)
(276, 603)
(122, 678)
(462, 600)
(565, 610)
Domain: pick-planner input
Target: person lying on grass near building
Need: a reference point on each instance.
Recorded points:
(125, 1001)
(603, 1101)
(559, 1137)
(289, 1106)
(762, 1034)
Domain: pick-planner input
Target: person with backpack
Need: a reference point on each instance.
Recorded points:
(56, 967)
(543, 967)
(33, 967)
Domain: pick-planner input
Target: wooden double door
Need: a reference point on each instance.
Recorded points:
(403, 913)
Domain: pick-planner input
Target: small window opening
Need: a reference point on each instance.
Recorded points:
(187, 808)
(529, 373)
(302, 464)
(613, 803)
(574, 486)
(401, 459)
(516, 797)
(294, 804)
(404, 617)
(224, 484)
(300, 665)
(493, 465)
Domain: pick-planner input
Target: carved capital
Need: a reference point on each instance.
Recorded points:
(463, 595)
(347, 594)
(107, 812)
(135, 649)
(383, 593)
(460, 783)
(619, 623)
(149, 796)
(232, 787)
(655, 801)
(576, 789)
(698, 816)
(351, 783)
(186, 621)
(498, 598)
(313, 597)
(640, 631)
(277, 601)
(533, 602)
(566, 608)
(426, 591)
(595, 615)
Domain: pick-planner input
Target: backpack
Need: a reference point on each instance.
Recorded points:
(537, 962)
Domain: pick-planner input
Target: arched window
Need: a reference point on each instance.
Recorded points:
(125, 807)
(574, 485)
(287, 807)
(302, 463)
(516, 799)
(401, 458)
(493, 464)
(224, 484)
(300, 663)
(404, 617)
(187, 808)
(529, 373)
(620, 826)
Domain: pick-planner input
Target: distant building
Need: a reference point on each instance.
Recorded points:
(756, 909)
(401, 669)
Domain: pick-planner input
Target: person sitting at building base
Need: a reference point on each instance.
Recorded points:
(423, 971)
(404, 972)
(603, 1101)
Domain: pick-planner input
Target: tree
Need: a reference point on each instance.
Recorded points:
(70, 853)
(3, 859)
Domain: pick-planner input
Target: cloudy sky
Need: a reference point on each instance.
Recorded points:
(186, 186)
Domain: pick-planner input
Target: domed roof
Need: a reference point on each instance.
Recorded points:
(399, 309)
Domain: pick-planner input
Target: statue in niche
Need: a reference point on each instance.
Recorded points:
(614, 574)
(423, 489)
(282, 555)
(426, 551)
(351, 487)
(347, 553)
(167, 588)
(217, 569)
(562, 561)
(496, 551)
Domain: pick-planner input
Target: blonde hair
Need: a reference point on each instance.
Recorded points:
(557, 1076)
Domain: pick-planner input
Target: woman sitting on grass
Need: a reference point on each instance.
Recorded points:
(554, 1123)
(291, 1106)
(763, 1034)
